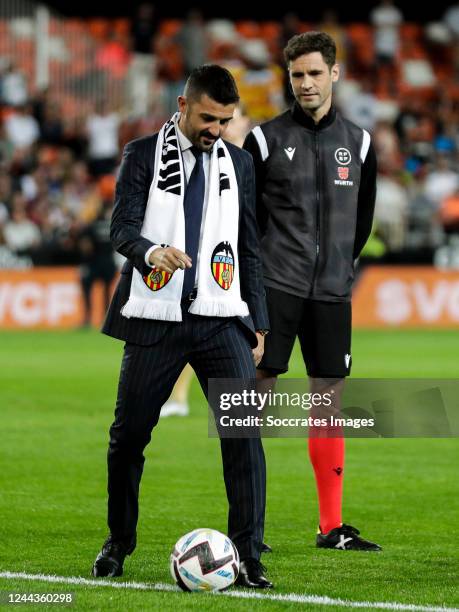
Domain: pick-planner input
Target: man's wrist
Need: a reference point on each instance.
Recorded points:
(262, 332)
(149, 252)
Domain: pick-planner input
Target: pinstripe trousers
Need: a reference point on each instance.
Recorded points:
(215, 348)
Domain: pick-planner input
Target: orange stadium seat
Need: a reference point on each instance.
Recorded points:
(248, 29)
(79, 46)
(26, 63)
(170, 27)
(270, 33)
(55, 26)
(411, 31)
(99, 28)
(5, 37)
(122, 26)
(78, 67)
(106, 186)
(24, 46)
(5, 112)
(306, 26)
(362, 43)
(270, 30)
(452, 89)
(74, 26)
(170, 61)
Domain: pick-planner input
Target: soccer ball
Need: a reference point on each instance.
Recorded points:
(204, 560)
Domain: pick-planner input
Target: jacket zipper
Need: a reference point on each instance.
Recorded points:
(314, 274)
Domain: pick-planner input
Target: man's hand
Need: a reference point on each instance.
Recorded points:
(169, 259)
(260, 349)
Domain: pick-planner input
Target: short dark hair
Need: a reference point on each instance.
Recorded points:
(215, 81)
(309, 42)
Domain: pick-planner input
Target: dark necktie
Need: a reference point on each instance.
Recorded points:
(192, 204)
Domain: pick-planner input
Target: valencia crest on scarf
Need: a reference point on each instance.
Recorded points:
(158, 295)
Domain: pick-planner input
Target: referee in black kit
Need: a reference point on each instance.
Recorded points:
(316, 188)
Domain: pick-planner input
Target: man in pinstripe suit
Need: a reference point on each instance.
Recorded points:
(156, 351)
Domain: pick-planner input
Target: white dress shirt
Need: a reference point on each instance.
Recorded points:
(189, 161)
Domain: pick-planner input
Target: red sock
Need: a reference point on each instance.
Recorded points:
(327, 458)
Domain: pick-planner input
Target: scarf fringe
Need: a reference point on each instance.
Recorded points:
(209, 307)
(152, 309)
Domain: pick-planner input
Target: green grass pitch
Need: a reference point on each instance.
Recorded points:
(57, 393)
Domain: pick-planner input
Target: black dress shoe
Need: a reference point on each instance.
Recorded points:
(251, 575)
(109, 562)
(266, 548)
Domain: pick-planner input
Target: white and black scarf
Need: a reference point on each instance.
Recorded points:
(158, 295)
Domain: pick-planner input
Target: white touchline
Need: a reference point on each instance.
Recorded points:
(291, 597)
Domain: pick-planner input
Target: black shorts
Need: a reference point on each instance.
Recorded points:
(323, 329)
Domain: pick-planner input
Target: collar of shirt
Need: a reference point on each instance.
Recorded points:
(307, 121)
(188, 157)
(184, 142)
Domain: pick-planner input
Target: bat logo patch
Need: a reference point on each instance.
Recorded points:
(222, 265)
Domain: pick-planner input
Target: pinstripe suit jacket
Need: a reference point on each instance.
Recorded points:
(132, 189)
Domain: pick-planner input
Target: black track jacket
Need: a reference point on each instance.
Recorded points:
(316, 189)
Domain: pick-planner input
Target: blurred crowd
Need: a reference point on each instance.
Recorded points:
(398, 81)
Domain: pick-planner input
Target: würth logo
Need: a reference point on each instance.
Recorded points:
(343, 173)
(205, 557)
